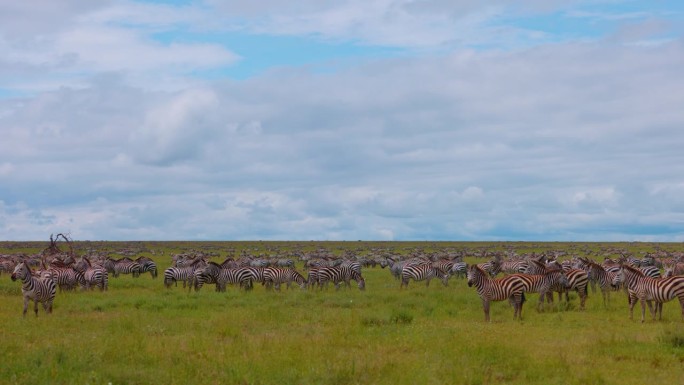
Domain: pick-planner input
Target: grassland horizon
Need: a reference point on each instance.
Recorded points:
(139, 332)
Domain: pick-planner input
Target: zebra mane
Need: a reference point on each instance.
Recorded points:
(633, 270)
(214, 263)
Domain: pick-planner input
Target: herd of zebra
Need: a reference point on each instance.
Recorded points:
(641, 278)
(66, 273)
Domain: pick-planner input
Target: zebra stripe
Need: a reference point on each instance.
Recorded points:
(36, 289)
(423, 272)
(498, 289)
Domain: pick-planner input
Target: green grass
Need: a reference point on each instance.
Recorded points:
(140, 332)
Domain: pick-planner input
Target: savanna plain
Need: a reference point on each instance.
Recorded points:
(140, 332)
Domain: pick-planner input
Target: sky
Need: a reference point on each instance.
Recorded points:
(454, 120)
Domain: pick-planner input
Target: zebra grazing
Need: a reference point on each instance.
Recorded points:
(339, 274)
(647, 289)
(36, 289)
(497, 289)
(276, 275)
(422, 272)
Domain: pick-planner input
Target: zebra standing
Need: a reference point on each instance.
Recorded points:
(185, 274)
(598, 275)
(497, 289)
(92, 275)
(643, 288)
(146, 264)
(459, 269)
(544, 283)
(424, 271)
(36, 289)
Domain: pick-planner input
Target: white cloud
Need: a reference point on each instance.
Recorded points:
(558, 141)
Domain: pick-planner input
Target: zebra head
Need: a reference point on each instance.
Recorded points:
(21, 271)
(473, 274)
(362, 284)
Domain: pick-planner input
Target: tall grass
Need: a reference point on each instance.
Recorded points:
(140, 333)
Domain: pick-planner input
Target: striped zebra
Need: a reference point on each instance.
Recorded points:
(459, 269)
(650, 271)
(274, 276)
(185, 274)
(497, 289)
(513, 266)
(544, 284)
(598, 275)
(339, 274)
(146, 264)
(36, 289)
(216, 274)
(578, 280)
(643, 288)
(65, 277)
(492, 267)
(93, 276)
(312, 278)
(122, 266)
(422, 272)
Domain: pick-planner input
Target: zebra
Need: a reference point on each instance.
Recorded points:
(598, 275)
(234, 275)
(497, 289)
(36, 289)
(214, 273)
(459, 269)
(577, 280)
(277, 275)
(312, 277)
(285, 263)
(513, 266)
(146, 264)
(127, 266)
(339, 274)
(186, 274)
(95, 276)
(544, 284)
(648, 289)
(66, 278)
(492, 267)
(425, 271)
(676, 268)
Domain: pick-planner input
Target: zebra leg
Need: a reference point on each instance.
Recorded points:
(643, 309)
(651, 310)
(485, 306)
(26, 303)
(35, 306)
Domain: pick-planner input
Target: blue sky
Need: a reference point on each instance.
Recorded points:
(342, 120)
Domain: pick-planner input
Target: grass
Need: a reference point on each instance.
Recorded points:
(140, 333)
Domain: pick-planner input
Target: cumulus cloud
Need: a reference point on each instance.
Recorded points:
(562, 141)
